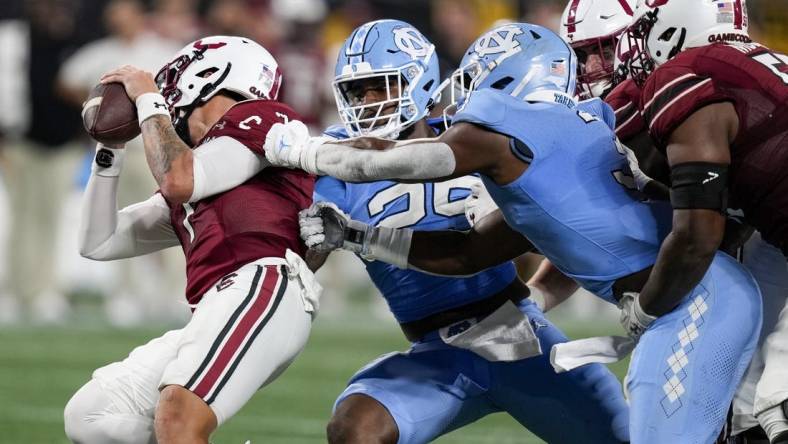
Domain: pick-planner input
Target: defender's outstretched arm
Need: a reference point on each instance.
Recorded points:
(463, 149)
(450, 253)
(461, 253)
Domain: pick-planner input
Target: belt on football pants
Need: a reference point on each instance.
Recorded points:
(415, 330)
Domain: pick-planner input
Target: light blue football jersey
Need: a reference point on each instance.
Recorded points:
(412, 295)
(568, 202)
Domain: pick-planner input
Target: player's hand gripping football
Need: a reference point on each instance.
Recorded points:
(634, 320)
(324, 228)
(136, 81)
(289, 145)
(478, 204)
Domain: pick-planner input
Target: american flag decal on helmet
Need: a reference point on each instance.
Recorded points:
(558, 67)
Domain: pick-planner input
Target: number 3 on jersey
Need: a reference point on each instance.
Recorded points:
(444, 201)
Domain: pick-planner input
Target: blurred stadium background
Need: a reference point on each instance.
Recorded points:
(61, 316)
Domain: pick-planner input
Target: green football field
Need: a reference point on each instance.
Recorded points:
(41, 367)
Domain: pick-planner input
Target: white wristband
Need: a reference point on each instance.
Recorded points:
(642, 317)
(108, 162)
(151, 104)
(390, 245)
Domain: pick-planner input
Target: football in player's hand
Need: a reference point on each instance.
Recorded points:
(109, 116)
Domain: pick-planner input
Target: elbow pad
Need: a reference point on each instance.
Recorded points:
(699, 185)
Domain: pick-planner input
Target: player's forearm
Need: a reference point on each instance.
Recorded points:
(441, 253)
(453, 253)
(416, 160)
(315, 260)
(680, 266)
(169, 159)
(555, 287)
(99, 214)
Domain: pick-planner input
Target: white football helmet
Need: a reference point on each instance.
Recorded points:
(663, 28)
(203, 68)
(593, 28)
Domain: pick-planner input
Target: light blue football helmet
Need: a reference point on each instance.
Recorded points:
(519, 59)
(397, 55)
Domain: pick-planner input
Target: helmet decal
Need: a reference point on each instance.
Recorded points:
(572, 16)
(200, 46)
(499, 40)
(625, 5)
(411, 42)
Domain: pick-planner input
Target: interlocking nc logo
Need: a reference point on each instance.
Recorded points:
(500, 40)
(411, 42)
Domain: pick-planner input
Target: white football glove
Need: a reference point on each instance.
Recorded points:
(289, 145)
(478, 204)
(634, 320)
(641, 179)
(324, 228)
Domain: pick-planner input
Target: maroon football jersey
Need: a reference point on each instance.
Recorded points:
(624, 99)
(755, 80)
(256, 219)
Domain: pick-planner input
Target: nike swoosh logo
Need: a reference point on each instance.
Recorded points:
(712, 176)
(605, 17)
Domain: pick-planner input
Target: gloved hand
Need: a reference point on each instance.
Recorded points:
(641, 179)
(634, 320)
(324, 228)
(478, 204)
(289, 145)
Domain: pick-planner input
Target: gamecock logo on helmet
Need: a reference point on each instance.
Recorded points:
(203, 46)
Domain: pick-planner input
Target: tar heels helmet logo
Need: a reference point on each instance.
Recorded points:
(518, 59)
(499, 40)
(412, 42)
(386, 79)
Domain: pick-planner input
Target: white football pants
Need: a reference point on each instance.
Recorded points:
(765, 384)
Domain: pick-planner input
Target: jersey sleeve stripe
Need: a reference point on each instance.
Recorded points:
(678, 97)
(668, 85)
(626, 122)
(625, 114)
(658, 102)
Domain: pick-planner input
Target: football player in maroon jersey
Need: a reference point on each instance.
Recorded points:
(237, 222)
(715, 103)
